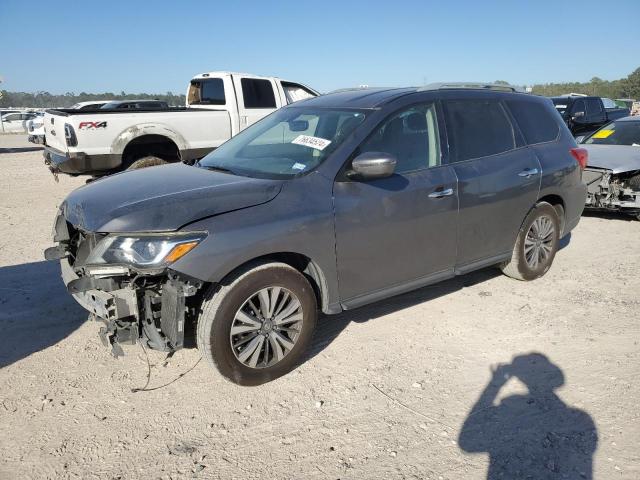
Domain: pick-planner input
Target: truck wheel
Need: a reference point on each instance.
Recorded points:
(536, 245)
(255, 327)
(145, 162)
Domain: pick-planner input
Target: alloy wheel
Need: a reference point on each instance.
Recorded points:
(538, 243)
(266, 327)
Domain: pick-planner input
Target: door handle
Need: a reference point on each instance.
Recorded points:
(528, 172)
(441, 193)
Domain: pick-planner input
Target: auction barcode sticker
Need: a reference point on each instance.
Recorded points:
(313, 142)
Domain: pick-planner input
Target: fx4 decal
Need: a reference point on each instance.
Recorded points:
(91, 125)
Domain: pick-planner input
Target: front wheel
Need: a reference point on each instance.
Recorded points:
(256, 326)
(536, 245)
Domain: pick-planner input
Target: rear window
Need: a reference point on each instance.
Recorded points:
(536, 122)
(257, 93)
(207, 92)
(478, 128)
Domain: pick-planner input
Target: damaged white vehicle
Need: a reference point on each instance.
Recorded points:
(613, 174)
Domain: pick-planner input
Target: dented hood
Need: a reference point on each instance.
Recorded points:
(162, 198)
(618, 158)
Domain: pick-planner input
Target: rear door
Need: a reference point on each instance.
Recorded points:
(397, 232)
(498, 178)
(257, 98)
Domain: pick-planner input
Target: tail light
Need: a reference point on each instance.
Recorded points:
(70, 135)
(581, 155)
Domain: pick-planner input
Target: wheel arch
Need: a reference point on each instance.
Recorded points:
(150, 134)
(557, 202)
(302, 263)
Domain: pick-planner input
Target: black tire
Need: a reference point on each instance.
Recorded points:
(144, 162)
(220, 309)
(519, 267)
(634, 182)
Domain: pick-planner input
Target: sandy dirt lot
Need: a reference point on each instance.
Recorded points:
(399, 389)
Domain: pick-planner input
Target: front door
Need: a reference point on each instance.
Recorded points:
(399, 232)
(498, 179)
(256, 99)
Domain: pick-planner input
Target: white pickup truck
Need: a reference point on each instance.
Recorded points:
(219, 105)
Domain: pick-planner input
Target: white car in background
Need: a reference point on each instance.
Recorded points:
(15, 122)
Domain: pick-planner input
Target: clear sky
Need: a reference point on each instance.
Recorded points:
(157, 46)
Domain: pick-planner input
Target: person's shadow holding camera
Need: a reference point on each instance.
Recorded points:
(532, 436)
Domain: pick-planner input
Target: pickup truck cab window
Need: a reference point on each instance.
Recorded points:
(411, 136)
(478, 128)
(579, 106)
(258, 93)
(594, 106)
(207, 92)
(290, 142)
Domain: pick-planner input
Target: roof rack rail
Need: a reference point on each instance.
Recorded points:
(471, 86)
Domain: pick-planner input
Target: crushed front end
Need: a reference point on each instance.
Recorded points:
(125, 282)
(611, 191)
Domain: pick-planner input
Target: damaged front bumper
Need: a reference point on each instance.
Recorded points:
(153, 309)
(610, 192)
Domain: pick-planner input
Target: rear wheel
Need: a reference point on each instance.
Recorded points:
(536, 245)
(144, 162)
(256, 327)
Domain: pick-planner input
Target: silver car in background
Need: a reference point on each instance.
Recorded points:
(613, 174)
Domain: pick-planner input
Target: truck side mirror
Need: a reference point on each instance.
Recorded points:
(577, 115)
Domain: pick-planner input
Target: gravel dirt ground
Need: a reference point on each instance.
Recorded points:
(399, 389)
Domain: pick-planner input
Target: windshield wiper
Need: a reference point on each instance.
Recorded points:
(217, 168)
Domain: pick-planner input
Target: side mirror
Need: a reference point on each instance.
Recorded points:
(577, 115)
(372, 165)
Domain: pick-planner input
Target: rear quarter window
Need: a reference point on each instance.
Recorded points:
(537, 123)
(478, 128)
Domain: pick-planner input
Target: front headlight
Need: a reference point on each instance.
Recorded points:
(144, 251)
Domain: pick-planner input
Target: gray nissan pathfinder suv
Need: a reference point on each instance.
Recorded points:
(328, 204)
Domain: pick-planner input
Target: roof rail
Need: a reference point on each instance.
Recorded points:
(471, 86)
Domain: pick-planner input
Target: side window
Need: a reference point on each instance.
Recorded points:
(478, 128)
(12, 118)
(537, 123)
(294, 92)
(411, 136)
(257, 93)
(578, 106)
(594, 106)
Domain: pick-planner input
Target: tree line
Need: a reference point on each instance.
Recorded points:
(628, 87)
(48, 100)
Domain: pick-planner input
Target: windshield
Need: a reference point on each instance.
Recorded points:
(287, 143)
(617, 133)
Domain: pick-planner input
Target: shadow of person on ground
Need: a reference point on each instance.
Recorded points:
(532, 436)
(36, 311)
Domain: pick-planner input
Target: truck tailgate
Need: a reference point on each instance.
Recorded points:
(54, 132)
